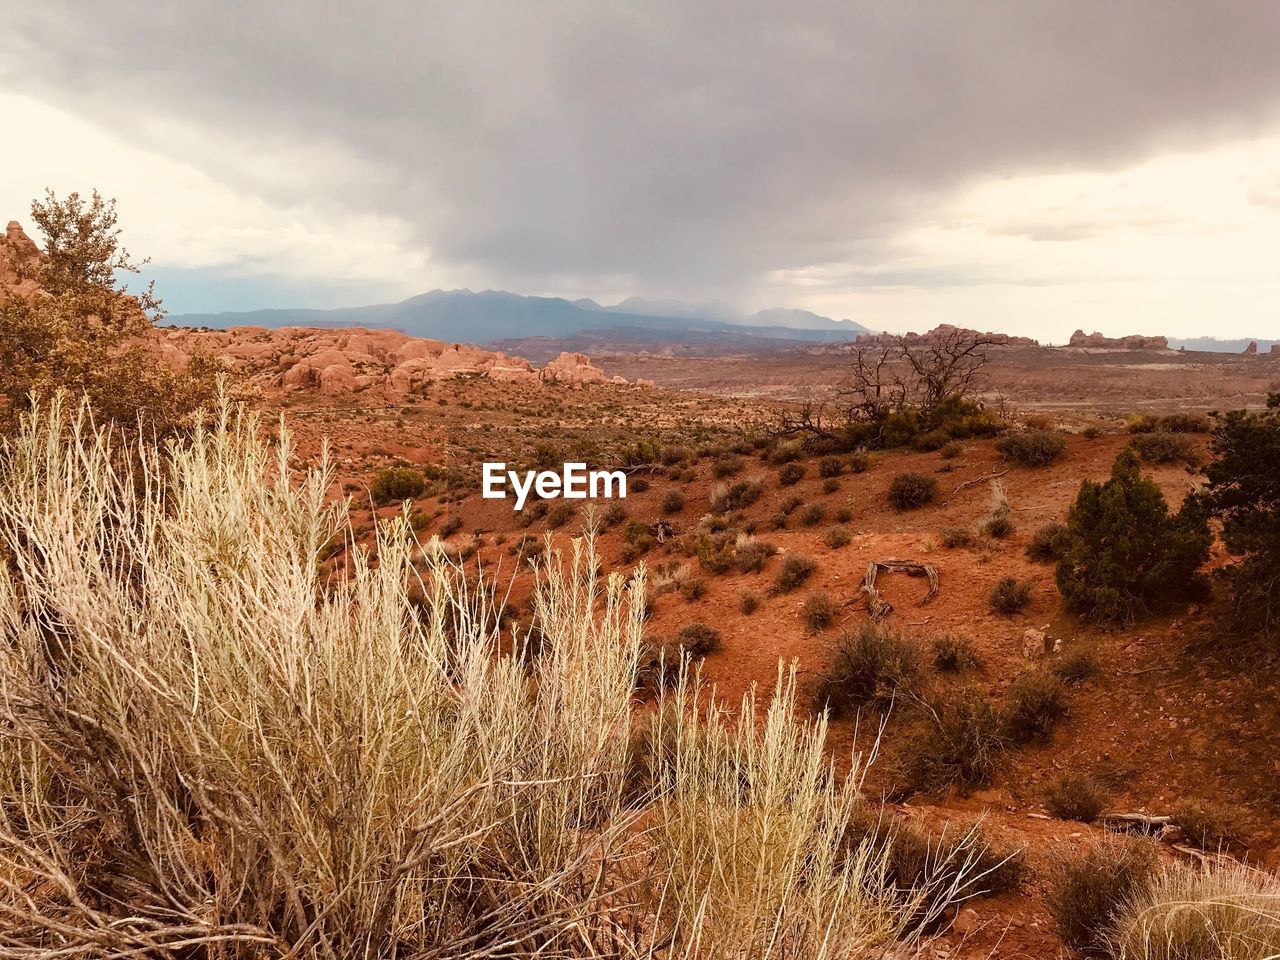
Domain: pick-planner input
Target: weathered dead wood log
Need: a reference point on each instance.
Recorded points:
(1144, 823)
(661, 529)
(973, 483)
(877, 606)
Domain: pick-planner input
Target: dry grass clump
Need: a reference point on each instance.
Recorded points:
(954, 537)
(1211, 826)
(1228, 911)
(954, 654)
(209, 749)
(735, 496)
(750, 554)
(837, 537)
(748, 602)
(791, 473)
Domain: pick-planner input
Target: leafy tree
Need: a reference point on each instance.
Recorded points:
(1125, 553)
(82, 333)
(1243, 492)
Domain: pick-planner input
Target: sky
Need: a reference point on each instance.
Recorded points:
(1016, 165)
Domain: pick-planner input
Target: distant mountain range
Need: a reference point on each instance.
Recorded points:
(465, 316)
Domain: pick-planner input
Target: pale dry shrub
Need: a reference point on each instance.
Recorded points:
(1227, 911)
(209, 748)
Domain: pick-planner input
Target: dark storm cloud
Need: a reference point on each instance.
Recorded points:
(686, 145)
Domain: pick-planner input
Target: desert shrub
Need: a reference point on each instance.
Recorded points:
(637, 484)
(1010, 595)
(1125, 554)
(673, 455)
(698, 639)
(949, 451)
(1185, 912)
(641, 453)
(1074, 796)
(960, 747)
(813, 514)
(715, 553)
(614, 514)
(1161, 446)
(1033, 705)
(1032, 448)
(84, 334)
(1210, 826)
(394, 484)
(859, 461)
(726, 466)
(830, 466)
(871, 666)
(953, 537)
(1088, 891)
(735, 496)
(672, 501)
(998, 526)
(819, 611)
(1048, 543)
(930, 440)
(787, 451)
(791, 473)
(843, 514)
(560, 514)
(1091, 432)
(837, 537)
(795, 569)
(751, 553)
(1186, 423)
(778, 521)
(908, 491)
(830, 485)
(692, 589)
(748, 603)
(1138, 423)
(451, 525)
(1243, 492)
(789, 505)
(1076, 666)
(954, 654)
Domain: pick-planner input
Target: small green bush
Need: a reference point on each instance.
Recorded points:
(1033, 706)
(1125, 554)
(1009, 596)
(1032, 448)
(791, 473)
(998, 526)
(1073, 796)
(796, 568)
(395, 484)
(909, 491)
(1186, 423)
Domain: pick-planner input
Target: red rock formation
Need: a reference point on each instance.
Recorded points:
(1096, 341)
(1252, 347)
(15, 248)
(346, 360)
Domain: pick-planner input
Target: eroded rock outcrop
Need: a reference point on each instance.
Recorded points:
(343, 361)
(1096, 341)
(942, 332)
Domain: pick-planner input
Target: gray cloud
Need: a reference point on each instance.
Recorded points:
(685, 146)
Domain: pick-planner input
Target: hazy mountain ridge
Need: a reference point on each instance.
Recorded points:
(481, 317)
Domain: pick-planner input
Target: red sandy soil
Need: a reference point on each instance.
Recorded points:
(1173, 715)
